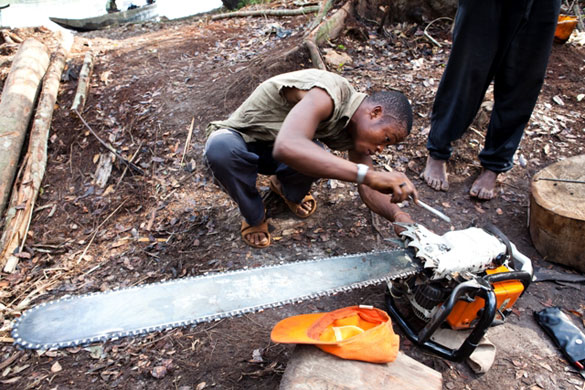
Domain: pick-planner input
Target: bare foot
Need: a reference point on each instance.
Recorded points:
(484, 187)
(435, 174)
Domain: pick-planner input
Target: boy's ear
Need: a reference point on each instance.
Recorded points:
(376, 112)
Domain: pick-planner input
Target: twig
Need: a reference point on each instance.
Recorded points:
(10, 360)
(110, 147)
(126, 167)
(433, 41)
(96, 231)
(188, 140)
(477, 132)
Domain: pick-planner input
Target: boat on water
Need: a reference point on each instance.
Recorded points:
(134, 15)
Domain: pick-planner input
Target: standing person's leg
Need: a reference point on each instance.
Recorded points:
(517, 85)
(236, 169)
(469, 71)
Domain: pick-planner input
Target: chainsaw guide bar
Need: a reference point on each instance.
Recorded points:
(83, 319)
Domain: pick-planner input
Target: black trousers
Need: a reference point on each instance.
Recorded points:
(509, 42)
(236, 164)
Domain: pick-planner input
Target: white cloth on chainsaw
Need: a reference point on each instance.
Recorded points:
(480, 360)
(471, 250)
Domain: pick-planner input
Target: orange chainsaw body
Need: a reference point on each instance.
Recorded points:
(507, 292)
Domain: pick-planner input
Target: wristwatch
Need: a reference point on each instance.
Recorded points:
(362, 170)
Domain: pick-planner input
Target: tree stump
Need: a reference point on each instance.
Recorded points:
(557, 212)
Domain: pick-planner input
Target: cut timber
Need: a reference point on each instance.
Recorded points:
(83, 85)
(557, 212)
(16, 107)
(28, 183)
(310, 368)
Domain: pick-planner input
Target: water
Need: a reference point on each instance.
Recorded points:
(28, 13)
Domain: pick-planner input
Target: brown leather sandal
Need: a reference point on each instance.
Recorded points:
(294, 207)
(262, 228)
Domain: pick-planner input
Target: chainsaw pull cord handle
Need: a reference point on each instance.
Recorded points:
(494, 231)
(522, 264)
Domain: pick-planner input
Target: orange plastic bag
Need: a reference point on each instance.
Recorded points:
(356, 332)
(565, 26)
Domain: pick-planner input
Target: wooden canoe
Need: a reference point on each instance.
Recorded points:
(134, 15)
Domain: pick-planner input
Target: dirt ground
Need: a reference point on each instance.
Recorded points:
(149, 83)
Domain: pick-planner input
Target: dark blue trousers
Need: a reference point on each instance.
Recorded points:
(509, 42)
(236, 164)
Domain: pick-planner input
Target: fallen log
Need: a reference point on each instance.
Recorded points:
(83, 85)
(28, 183)
(268, 12)
(16, 107)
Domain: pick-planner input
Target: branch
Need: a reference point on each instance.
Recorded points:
(433, 41)
(268, 12)
(83, 85)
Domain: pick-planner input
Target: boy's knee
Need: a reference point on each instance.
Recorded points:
(220, 146)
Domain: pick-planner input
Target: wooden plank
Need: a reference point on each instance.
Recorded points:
(557, 212)
(310, 368)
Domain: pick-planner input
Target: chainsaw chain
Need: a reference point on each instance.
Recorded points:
(215, 317)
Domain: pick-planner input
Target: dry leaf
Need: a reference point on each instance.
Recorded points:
(159, 372)
(56, 367)
(557, 99)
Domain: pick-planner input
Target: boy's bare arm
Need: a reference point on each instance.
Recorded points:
(294, 146)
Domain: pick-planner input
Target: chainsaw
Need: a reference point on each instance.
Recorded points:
(455, 279)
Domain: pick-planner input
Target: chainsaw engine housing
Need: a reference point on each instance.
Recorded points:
(472, 296)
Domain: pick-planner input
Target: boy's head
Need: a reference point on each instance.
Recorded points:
(384, 118)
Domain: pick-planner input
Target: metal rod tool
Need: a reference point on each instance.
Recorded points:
(433, 210)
